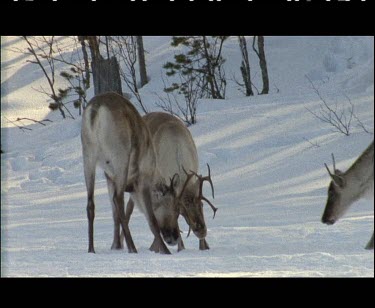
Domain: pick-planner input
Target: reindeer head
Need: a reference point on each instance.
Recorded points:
(191, 203)
(166, 209)
(337, 202)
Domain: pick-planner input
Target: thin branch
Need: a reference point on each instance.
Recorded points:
(360, 123)
(35, 121)
(51, 79)
(22, 128)
(313, 144)
(255, 50)
(341, 120)
(125, 47)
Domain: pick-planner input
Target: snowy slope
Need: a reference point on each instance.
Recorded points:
(266, 155)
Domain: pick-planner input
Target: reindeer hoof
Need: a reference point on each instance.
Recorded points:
(159, 247)
(181, 245)
(163, 249)
(154, 247)
(180, 248)
(203, 245)
(165, 252)
(132, 250)
(116, 246)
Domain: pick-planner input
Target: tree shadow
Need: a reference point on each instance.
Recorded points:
(10, 41)
(21, 77)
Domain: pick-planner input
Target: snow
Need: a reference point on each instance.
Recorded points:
(266, 153)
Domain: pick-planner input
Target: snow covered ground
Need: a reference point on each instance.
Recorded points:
(266, 153)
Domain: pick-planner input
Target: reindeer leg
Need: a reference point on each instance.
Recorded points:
(180, 244)
(370, 244)
(128, 237)
(91, 216)
(203, 245)
(118, 199)
(89, 170)
(116, 244)
(155, 246)
(158, 244)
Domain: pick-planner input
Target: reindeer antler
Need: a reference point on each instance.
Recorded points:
(328, 170)
(205, 178)
(211, 205)
(334, 164)
(334, 167)
(188, 177)
(201, 181)
(208, 178)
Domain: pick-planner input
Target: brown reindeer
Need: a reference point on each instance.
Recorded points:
(347, 187)
(116, 137)
(176, 153)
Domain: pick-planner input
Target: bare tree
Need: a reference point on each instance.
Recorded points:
(245, 66)
(215, 73)
(125, 48)
(42, 49)
(262, 62)
(106, 75)
(339, 117)
(78, 71)
(65, 65)
(93, 42)
(184, 104)
(86, 61)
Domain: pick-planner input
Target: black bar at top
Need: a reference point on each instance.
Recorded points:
(165, 17)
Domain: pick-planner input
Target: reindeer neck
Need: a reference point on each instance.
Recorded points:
(360, 176)
(158, 176)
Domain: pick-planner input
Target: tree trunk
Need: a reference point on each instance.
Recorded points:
(94, 47)
(105, 72)
(263, 65)
(86, 61)
(215, 93)
(245, 66)
(142, 62)
(106, 76)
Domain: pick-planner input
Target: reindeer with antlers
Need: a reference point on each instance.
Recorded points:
(347, 187)
(176, 153)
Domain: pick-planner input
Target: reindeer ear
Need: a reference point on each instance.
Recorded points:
(175, 182)
(339, 172)
(338, 180)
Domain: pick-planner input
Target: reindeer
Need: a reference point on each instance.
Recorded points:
(116, 137)
(176, 153)
(347, 187)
